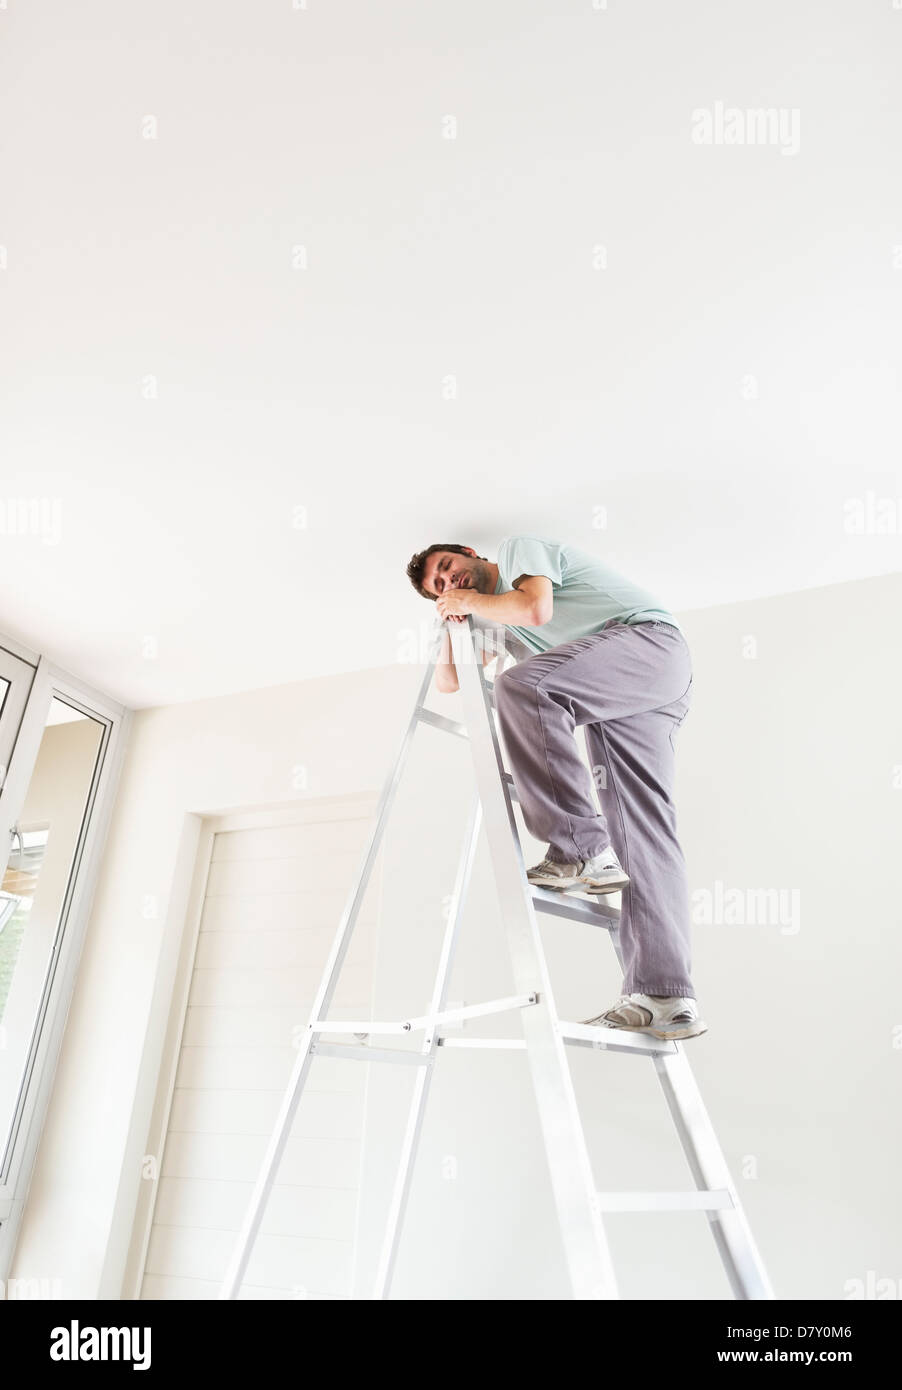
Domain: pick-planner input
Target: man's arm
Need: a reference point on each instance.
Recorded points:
(446, 680)
(530, 602)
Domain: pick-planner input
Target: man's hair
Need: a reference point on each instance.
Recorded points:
(417, 565)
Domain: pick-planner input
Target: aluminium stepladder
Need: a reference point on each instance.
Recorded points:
(579, 1205)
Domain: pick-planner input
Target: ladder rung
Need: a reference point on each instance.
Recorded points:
(360, 1030)
(578, 909)
(438, 721)
(492, 1006)
(709, 1199)
(417, 1025)
(362, 1053)
(638, 1043)
(613, 1039)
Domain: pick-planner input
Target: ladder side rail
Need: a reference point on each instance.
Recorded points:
(585, 1243)
(710, 1170)
(708, 1165)
(429, 1047)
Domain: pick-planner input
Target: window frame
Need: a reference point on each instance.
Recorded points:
(36, 1087)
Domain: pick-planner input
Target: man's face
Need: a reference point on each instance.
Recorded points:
(447, 570)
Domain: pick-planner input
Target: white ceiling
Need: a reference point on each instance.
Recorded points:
(166, 564)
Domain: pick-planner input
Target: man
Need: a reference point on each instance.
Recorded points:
(596, 651)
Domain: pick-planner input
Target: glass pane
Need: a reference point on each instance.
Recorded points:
(16, 679)
(34, 888)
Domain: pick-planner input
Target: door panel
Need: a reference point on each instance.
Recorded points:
(272, 904)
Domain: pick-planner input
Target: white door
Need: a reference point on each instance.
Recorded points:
(273, 900)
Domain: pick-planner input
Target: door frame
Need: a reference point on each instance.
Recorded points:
(315, 810)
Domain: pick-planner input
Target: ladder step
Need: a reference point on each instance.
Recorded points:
(362, 1053)
(438, 721)
(709, 1199)
(614, 1039)
(577, 1035)
(599, 913)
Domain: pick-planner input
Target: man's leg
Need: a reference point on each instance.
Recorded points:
(537, 723)
(634, 762)
(637, 678)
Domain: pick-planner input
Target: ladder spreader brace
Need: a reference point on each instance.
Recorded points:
(545, 1036)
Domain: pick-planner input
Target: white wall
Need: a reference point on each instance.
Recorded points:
(785, 781)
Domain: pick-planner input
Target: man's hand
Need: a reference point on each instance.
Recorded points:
(454, 605)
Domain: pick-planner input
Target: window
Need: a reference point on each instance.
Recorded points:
(16, 898)
(60, 749)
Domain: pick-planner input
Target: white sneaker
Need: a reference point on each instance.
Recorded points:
(603, 873)
(645, 1013)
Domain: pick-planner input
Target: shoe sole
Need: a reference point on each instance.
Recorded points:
(616, 887)
(583, 885)
(689, 1030)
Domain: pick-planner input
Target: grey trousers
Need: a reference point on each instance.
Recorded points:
(630, 685)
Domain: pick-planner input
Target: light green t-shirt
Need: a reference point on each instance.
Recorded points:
(587, 593)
